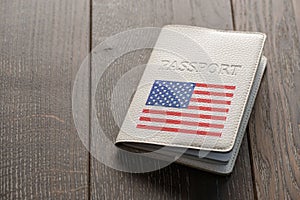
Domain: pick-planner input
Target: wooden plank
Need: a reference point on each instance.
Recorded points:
(174, 181)
(274, 127)
(42, 44)
(296, 5)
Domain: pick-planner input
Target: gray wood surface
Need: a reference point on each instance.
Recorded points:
(274, 127)
(42, 44)
(174, 181)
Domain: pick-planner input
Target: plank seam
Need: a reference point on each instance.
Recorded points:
(90, 93)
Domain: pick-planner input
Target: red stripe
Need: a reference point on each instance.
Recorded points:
(189, 123)
(229, 87)
(162, 112)
(222, 94)
(210, 101)
(208, 108)
(179, 130)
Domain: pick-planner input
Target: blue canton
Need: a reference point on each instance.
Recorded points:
(170, 94)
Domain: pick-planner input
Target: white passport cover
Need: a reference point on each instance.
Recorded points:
(194, 90)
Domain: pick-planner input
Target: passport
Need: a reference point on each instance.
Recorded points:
(195, 96)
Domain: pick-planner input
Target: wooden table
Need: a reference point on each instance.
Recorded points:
(42, 46)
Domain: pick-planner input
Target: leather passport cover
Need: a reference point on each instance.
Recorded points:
(197, 93)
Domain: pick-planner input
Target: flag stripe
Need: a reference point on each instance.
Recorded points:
(189, 123)
(200, 100)
(163, 112)
(229, 87)
(190, 101)
(208, 108)
(222, 94)
(179, 130)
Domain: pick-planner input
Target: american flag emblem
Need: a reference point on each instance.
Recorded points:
(186, 107)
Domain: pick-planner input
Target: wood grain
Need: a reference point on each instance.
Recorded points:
(174, 181)
(274, 127)
(42, 44)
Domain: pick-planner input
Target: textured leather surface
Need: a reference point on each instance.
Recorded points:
(215, 167)
(222, 58)
(226, 169)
